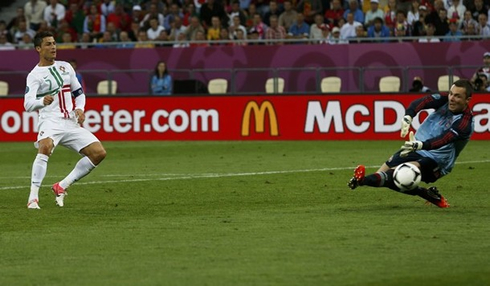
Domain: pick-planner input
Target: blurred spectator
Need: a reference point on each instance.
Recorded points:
(288, 17)
(418, 27)
(161, 81)
(360, 35)
(159, 6)
(120, 19)
(334, 37)
(429, 38)
(418, 85)
(154, 31)
(259, 26)
(319, 30)
(479, 9)
(471, 31)
(224, 35)
(26, 43)
(13, 25)
(275, 32)
(378, 30)
(181, 41)
(356, 12)
(34, 12)
(237, 11)
(482, 28)
(481, 83)
(334, 14)
(190, 11)
(402, 28)
(169, 18)
(348, 30)
(212, 8)
(137, 15)
(433, 16)
(309, 8)
(250, 16)
(262, 7)
(152, 13)
(54, 13)
(85, 41)
(113, 31)
(214, 29)
(237, 26)
(300, 29)
(454, 34)
(64, 27)
(107, 7)
(244, 4)
(125, 41)
(105, 39)
(442, 24)
(176, 28)
(273, 10)
(5, 32)
(193, 28)
(485, 69)
(75, 18)
(413, 14)
(4, 44)
(162, 39)
(22, 30)
(143, 41)
(390, 14)
(200, 40)
(467, 19)
(94, 23)
(456, 11)
(66, 42)
(133, 32)
(374, 13)
(240, 39)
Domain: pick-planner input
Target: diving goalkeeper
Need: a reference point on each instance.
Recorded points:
(435, 146)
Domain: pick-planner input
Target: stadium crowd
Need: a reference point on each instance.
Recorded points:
(190, 23)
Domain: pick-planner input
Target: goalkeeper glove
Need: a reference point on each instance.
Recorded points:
(411, 146)
(407, 120)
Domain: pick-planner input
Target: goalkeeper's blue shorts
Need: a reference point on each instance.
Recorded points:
(428, 167)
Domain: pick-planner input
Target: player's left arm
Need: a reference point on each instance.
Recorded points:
(461, 129)
(79, 95)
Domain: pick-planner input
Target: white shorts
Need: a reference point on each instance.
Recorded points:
(65, 132)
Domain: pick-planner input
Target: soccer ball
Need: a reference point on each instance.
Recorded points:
(407, 176)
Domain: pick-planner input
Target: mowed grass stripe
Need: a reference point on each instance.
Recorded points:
(209, 175)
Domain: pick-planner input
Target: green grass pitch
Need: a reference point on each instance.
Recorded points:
(241, 213)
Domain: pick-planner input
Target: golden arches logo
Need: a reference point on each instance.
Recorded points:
(259, 112)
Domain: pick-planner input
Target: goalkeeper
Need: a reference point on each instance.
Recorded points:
(434, 148)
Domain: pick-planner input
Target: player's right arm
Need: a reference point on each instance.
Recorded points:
(31, 102)
(430, 101)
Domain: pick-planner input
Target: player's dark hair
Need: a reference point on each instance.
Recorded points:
(38, 39)
(165, 72)
(466, 84)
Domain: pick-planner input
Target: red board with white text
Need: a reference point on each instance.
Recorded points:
(285, 117)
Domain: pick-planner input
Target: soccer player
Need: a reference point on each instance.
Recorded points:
(51, 86)
(434, 148)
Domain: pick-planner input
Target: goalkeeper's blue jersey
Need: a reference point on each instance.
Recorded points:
(443, 133)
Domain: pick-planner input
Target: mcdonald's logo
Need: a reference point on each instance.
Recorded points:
(259, 115)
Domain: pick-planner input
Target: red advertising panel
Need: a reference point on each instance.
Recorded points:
(285, 117)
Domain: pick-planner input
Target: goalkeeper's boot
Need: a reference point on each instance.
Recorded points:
(433, 196)
(359, 173)
(60, 194)
(33, 204)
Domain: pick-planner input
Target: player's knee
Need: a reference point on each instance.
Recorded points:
(45, 146)
(99, 155)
